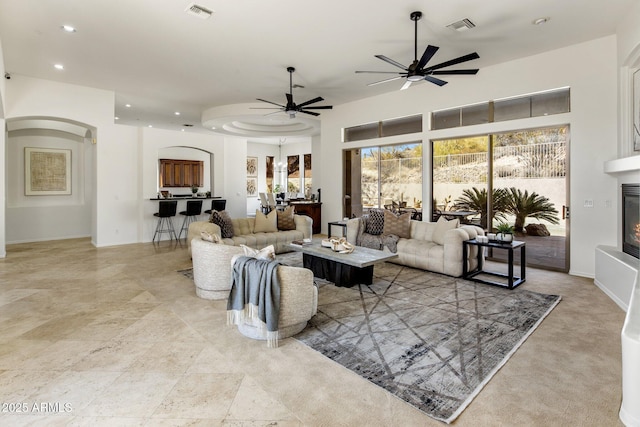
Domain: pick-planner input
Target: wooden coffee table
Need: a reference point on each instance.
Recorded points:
(342, 269)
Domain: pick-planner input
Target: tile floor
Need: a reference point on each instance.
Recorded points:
(116, 337)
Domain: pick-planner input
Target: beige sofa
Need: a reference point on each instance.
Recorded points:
(420, 251)
(243, 233)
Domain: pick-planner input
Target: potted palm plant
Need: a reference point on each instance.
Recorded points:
(504, 232)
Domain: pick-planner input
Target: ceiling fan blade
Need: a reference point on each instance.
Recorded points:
(265, 108)
(406, 85)
(384, 81)
(435, 80)
(320, 107)
(426, 56)
(289, 98)
(391, 61)
(455, 61)
(443, 72)
(264, 100)
(309, 112)
(380, 72)
(275, 112)
(311, 101)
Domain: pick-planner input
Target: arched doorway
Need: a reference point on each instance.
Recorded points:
(50, 179)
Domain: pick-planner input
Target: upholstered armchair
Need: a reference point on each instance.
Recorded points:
(212, 270)
(298, 304)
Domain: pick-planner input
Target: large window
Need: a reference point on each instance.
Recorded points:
(534, 105)
(308, 179)
(384, 128)
(391, 175)
(293, 174)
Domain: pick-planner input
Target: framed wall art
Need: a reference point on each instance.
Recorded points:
(47, 171)
(252, 187)
(252, 166)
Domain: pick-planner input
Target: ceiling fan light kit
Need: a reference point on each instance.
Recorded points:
(418, 70)
(291, 108)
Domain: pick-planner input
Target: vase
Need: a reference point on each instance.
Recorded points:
(504, 237)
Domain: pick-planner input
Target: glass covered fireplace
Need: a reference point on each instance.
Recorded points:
(631, 219)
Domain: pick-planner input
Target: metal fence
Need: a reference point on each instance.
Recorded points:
(545, 160)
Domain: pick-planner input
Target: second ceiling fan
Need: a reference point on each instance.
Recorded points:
(418, 70)
(291, 108)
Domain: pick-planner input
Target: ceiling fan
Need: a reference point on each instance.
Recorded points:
(418, 70)
(291, 108)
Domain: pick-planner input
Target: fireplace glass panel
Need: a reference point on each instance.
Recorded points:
(631, 219)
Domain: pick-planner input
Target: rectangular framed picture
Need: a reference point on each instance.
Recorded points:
(47, 171)
(252, 187)
(252, 166)
(636, 110)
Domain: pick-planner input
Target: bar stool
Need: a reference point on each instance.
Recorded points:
(217, 205)
(166, 210)
(194, 208)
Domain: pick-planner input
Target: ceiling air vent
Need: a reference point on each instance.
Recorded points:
(199, 11)
(461, 25)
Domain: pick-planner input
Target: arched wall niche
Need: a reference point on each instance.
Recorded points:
(43, 217)
(184, 152)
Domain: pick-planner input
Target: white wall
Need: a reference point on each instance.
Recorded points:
(154, 144)
(3, 252)
(124, 158)
(29, 97)
(261, 151)
(591, 72)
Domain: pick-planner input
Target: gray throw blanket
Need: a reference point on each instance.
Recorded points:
(255, 296)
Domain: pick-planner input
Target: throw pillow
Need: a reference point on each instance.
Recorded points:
(442, 226)
(400, 225)
(209, 237)
(268, 253)
(375, 222)
(285, 219)
(223, 220)
(266, 223)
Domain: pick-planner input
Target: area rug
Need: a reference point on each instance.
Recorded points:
(430, 340)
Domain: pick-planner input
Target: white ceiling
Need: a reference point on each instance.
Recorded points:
(160, 59)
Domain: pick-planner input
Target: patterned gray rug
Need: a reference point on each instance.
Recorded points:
(431, 340)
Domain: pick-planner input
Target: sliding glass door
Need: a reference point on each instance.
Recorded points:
(528, 184)
(389, 176)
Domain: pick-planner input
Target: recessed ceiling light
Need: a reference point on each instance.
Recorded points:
(150, 126)
(177, 113)
(213, 127)
(182, 130)
(68, 28)
(117, 118)
(540, 21)
(59, 67)
(127, 105)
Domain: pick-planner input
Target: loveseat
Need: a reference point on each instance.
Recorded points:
(246, 233)
(432, 246)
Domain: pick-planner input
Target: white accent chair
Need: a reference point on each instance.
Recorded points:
(212, 269)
